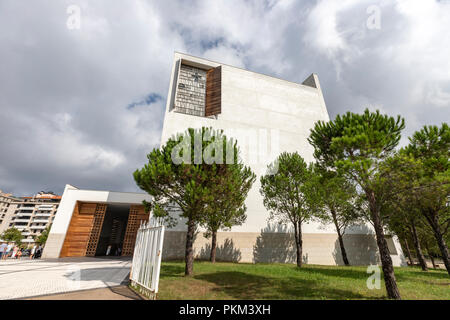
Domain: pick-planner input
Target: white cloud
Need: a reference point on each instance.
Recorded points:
(323, 30)
(65, 93)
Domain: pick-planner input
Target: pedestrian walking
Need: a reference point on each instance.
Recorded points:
(38, 253)
(8, 249)
(14, 254)
(32, 252)
(3, 248)
(108, 250)
(19, 254)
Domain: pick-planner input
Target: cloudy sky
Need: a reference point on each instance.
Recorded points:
(85, 105)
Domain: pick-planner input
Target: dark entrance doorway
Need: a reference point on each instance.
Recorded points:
(95, 227)
(113, 231)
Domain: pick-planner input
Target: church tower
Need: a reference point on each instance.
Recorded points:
(267, 116)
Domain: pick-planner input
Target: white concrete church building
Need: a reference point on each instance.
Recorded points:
(267, 116)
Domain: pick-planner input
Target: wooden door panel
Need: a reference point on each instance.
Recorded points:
(81, 225)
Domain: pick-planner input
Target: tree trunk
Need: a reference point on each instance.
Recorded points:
(189, 254)
(430, 255)
(408, 252)
(440, 240)
(298, 242)
(341, 240)
(386, 261)
(212, 257)
(416, 241)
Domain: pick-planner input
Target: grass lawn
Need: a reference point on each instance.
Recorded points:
(286, 281)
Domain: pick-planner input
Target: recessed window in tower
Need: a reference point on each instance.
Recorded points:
(191, 93)
(198, 91)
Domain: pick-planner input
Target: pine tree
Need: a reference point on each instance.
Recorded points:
(430, 147)
(285, 190)
(355, 145)
(183, 179)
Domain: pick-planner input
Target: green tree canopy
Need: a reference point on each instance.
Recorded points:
(430, 147)
(400, 210)
(42, 238)
(12, 235)
(230, 185)
(183, 178)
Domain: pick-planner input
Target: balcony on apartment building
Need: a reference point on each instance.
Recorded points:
(20, 221)
(24, 214)
(40, 220)
(42, 214)
(38, 227)
(26, 205)
(28, 209)
(45, 206)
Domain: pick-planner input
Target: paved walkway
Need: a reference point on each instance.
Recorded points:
(122, 292)
(29, 278)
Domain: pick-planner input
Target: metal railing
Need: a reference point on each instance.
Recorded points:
(146, 263)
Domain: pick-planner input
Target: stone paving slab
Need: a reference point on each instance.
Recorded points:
(111, 293)
(28, 278)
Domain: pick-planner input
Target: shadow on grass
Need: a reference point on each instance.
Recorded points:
(172, 271)
(402, 275)
(343, 272)
(413, 273)
(241, 285)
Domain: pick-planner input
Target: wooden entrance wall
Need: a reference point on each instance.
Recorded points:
(213, 99)
(137, 215)
(84, 230)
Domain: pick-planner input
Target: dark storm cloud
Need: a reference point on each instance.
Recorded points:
(85, 106)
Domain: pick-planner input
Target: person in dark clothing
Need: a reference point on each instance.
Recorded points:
(38, 252)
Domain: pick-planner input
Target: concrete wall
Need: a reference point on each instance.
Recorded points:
(69, 198)
(268, 247)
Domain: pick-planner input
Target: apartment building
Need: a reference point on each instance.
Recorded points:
(32, 215)
(7, 209)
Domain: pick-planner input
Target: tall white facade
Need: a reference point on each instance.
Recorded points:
(267, 116)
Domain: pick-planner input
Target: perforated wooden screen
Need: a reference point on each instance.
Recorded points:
(137, 214)
(99, 216)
